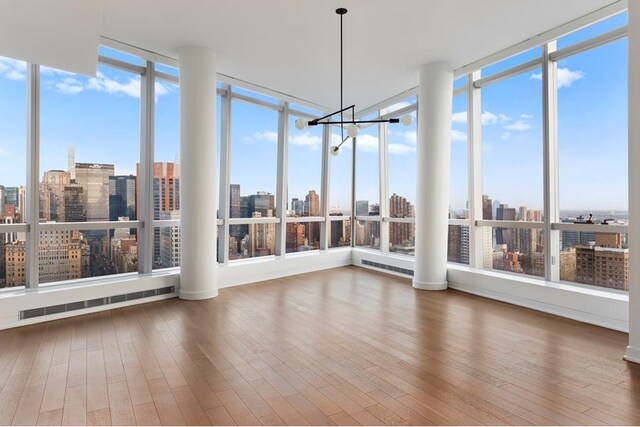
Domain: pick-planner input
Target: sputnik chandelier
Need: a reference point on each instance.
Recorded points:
(352, 128)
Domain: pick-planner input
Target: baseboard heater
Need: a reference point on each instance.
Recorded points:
(388, 267)
(79, 305)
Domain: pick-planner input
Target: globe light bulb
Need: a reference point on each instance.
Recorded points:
(406, 120)
(334, 150)
(301, 123)
(352, 130)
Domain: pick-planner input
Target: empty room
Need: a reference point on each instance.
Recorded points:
(319, 212)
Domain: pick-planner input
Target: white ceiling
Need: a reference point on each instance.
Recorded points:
(292, 45)
(60, 34)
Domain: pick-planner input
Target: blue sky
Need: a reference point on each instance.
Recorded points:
(100, 116)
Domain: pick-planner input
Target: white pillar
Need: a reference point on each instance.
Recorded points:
(198, 174)
(435, 98)
(633, 351)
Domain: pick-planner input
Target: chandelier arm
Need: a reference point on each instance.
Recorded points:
(354, 122)
(315, 121)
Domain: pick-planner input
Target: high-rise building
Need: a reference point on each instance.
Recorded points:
(401, 235)
(54, 182)
(312, 208)
(295, 236)
(504, 235)
(297, 206)
(603, 262)
(340, 230)
(12, 197)
(74, 203)
(122, 197)
(71, 162)
(166, 198)
(362, 208)
(61, 256)
(487, 212)
(94, 180)
(170, 242)
(262, 236)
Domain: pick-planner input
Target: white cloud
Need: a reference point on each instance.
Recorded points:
(368, 143)
(269, 136)
(566, 77)
(519, 125)
(460, 117)
(525, 116)
(400, 149)
(13, 69)
(458, 135)
(69, 85)
(102, 83)
(306, 139)
(505, 135)
(489, 118)
(410, 137)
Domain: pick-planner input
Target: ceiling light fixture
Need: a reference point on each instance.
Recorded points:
(352, 128)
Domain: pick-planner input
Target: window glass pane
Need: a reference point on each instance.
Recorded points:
(597, 259)
(512, 167)
(340, 182)
(255, 95)
(594, 30)
(71, 255)
(459, 82)
(593, 164)
(459, 184)
(254, 147)
(458, 247)
(399, 105)
(515, 250)
(120, 55)
(512, 61)
(167, 246)
(368, 234)
(340, 233)
(13, 140)
(304, 184)
(592, 133)
(401, 166)
(167, 69)
(90, 132)
(12, 260)
(368, 170)
(402, 236)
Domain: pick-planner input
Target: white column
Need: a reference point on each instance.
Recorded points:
(633, 351)
(198, 174)
(435, 98)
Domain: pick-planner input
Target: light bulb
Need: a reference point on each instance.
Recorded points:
(334, 150)
(352, 130)
(406, 120)
(301, 123)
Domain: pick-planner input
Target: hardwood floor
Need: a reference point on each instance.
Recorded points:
(343, 346)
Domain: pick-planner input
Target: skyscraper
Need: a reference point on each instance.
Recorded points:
(312, 208)
(54, 182)
(94, 180)
(122, 197)
(401, 235)
(166, 197)
(487, 211)
(74, 203)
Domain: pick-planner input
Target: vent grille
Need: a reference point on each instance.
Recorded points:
(388, 267)
(79, 305)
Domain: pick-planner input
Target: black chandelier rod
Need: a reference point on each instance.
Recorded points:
(354, 122)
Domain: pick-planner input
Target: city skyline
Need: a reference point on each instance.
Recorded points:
(82, 111)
